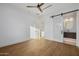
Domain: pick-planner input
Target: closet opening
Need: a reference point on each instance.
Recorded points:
(70, 28)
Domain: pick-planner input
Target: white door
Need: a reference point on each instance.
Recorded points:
(58, 28)
(34, 33)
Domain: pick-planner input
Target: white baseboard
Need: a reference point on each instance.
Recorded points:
(12, 43)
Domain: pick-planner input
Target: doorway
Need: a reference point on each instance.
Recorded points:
(70, 28)
(36, 33)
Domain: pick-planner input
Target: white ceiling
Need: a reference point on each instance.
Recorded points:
(32, 10)
(56, 8)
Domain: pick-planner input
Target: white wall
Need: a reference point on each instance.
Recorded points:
(14, 24)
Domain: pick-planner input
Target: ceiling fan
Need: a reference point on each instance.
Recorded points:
(39, 7)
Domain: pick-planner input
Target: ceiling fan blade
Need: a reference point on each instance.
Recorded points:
(31, 6)
(41, 4)
(47, 7)
(40, 9)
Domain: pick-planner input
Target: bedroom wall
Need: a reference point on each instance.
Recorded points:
(14, 24)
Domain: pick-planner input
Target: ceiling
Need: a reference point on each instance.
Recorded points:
(56, 8)
(32, 10)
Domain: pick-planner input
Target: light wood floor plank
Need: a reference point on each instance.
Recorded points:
(40, 47)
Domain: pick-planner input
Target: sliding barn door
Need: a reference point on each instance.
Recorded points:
(58, 28)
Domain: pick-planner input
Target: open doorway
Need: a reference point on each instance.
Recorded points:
(70, 28)
(36, 33)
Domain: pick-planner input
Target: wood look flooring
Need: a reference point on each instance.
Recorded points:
(40, 47)
(70, 41)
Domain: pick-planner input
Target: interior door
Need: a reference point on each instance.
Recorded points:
(58, 28)
(34, 33)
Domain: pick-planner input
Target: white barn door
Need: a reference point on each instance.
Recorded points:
(58, 28)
